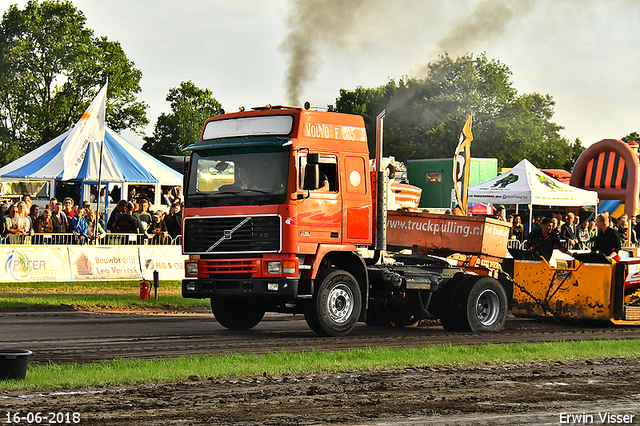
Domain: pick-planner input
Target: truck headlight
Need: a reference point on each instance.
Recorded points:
(274, 268)
(191, 268)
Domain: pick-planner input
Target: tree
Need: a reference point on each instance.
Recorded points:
(576, 150)
(425, 116)
(634, 136)
(51, 67)
(190, 107)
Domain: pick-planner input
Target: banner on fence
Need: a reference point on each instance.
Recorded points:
(88, 263)
(104, 263)
(167, 260)
(25, 263)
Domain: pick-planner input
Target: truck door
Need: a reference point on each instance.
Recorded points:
(320, 215)
(356, 201)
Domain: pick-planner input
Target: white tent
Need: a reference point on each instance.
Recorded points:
(525, 184)
(122, 163)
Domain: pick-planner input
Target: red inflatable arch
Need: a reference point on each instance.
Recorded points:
(610, 168)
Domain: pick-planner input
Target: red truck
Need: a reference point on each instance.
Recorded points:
(282, 214)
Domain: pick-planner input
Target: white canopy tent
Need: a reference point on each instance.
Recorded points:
(123, 164)
(525, 184)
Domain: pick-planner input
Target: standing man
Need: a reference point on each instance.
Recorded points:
(608, 240)
(113, 216)
(69, 212)
(52, 203)
(569, 231)
(636, 227)
(500, 214)
(59, 222)
(174, 220)
(126, 222)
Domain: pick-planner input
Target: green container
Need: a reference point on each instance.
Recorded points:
(435, 177)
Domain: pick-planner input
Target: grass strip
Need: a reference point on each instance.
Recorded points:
(128, 371)
(91, 293)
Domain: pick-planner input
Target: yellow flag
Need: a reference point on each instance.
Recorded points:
(461, 160)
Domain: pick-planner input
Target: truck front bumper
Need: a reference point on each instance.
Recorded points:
(276, 288)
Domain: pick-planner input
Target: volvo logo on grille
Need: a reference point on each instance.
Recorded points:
(228, 233)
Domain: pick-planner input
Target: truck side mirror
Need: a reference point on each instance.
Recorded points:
(312, 177)
(312, 172)
(185, 173)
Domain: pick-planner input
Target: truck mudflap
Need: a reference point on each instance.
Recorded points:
(275, 288)
(587, 287)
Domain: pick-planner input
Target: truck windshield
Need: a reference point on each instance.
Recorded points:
(236, 176)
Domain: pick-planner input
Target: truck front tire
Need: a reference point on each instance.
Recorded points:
(336, 306)
(236, 314)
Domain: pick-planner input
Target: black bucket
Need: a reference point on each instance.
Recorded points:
(13, 363)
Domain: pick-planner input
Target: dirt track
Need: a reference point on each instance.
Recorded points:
(536, 393)
(512, 394)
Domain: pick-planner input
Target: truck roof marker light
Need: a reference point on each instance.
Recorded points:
(307, 105)
(241, 109)
(221, 112)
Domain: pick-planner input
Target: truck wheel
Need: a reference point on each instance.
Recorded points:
(451, 303)
(335, 308)
(237, 314)
(483, 304)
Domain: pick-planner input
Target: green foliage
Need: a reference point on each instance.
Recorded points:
(51, 67)
(190, 107)
(425, 116)
(634, 136)
(576, 150)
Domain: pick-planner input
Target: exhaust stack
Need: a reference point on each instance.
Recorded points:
(381, 188)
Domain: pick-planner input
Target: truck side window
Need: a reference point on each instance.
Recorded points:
(328, 173)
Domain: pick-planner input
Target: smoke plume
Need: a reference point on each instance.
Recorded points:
(339, 25)
(488, 21)
(314, 24)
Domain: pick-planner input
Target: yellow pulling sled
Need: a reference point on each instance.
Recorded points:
(586, 287)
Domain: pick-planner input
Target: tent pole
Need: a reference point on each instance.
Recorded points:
(95, 231)
(530, 217)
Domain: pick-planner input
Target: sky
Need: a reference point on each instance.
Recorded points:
(584, 53)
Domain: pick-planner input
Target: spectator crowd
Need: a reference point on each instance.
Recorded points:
(64, 222)
(567, 232)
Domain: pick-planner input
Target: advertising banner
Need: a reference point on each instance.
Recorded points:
(88, 263)
(167, 260)
(104, 263)
(34, 263)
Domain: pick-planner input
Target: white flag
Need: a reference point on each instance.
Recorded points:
(90, 128)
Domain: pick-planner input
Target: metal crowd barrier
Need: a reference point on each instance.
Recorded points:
(581, 245)
(108, 239)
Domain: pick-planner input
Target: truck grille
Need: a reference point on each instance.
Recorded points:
(232, 234)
